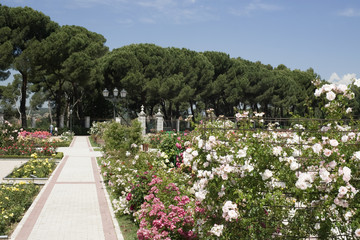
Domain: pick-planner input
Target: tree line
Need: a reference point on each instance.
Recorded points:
(69, 66)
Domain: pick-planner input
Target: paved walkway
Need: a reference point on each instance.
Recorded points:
(7, 166)
(73, 205)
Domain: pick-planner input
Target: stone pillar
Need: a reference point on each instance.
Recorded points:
(159, 121)
(87, 121)
(61, 124)
(178, 125)
(1, 118)
(142, 120)
(33, 122)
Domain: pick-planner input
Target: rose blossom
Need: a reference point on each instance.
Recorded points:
(230, 211)
(332, 164)
(346, 174)
(342, 191)
(324, 175)
(217, 230)
(266, 175)
(277, 150)
(334, 142)
(327, 152)
(317, 148)
(294, 166)
(328, 87)
(330, 96)
(357, 155)
(304, 181)
(318, 92)
(357, 232)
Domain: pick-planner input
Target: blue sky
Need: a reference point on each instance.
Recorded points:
(322, 34)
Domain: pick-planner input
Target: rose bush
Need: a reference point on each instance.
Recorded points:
(237, 181)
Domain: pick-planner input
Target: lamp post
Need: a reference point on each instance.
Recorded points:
(114, 99)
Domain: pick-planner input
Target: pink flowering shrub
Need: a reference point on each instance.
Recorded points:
(167, 212)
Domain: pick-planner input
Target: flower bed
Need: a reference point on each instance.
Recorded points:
(14, 201)
(43, 135)
(27, 148)
(35, 170)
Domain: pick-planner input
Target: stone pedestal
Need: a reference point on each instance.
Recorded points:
(159, 121)
(142, 120)
(87, 122)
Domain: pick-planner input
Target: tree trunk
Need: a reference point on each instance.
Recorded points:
(50, 113)
(23, 101)
(58, 107)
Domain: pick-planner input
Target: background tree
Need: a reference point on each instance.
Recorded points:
(20, 28)
(10, 97)
(66, 66)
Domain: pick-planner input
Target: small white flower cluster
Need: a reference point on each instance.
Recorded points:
(230, 211)
(121, 205)
(304, 181)
(266, 174)
(217, 230)
(239, 116)
(199, 188)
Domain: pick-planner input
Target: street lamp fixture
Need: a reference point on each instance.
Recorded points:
(114, 98)
(123, 93)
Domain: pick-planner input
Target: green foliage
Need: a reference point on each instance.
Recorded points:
(67, 64)
(171, 146)
(119, 137)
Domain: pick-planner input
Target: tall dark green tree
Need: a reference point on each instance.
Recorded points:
(20, 28)
(67, 66)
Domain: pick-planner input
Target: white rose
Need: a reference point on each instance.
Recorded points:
(334, 142)
(294, 166)
(217, 230)
(357, 231)
(342, 88)
(342, 191)
(357, 82)
(327, 152)
(266, 175)
(195, 153)
(317, 148)
(318, 92)
(277, 150)
(330, 96)
(357, 155)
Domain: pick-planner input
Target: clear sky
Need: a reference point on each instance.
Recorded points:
(321, 34)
